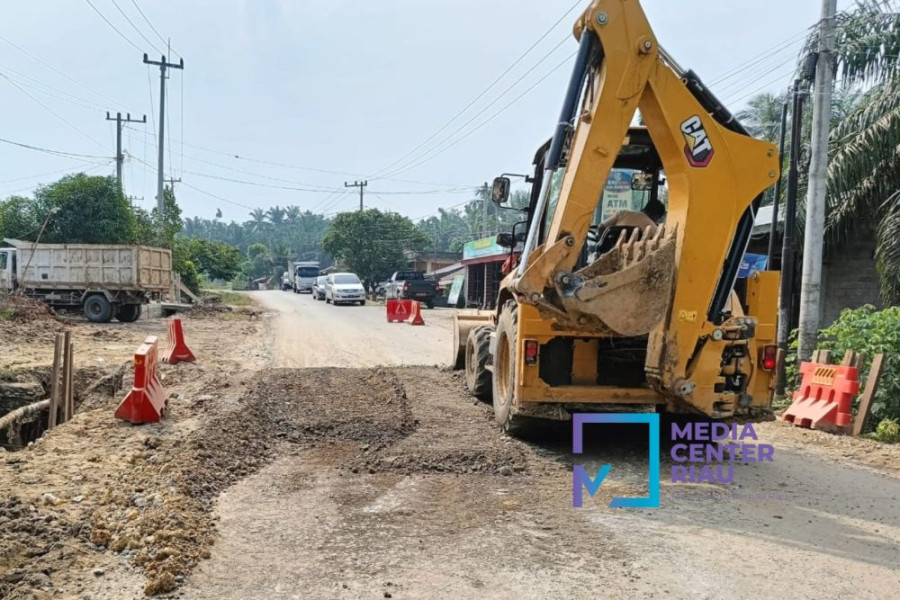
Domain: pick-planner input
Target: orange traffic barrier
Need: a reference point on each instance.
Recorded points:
(415, 317)
(146, 402)
(398, 310)
(176, 350)
(825, 397)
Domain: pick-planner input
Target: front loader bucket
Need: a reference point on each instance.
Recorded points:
(462, 323)
(627, 291)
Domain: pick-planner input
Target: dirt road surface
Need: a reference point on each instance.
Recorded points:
(349, 480)
(311, 333)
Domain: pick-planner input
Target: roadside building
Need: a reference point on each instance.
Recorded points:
(483, 260)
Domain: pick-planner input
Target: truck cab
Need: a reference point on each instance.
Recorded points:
(7, 270)
(305, 274)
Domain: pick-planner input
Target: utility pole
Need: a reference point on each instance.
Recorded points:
(362, 186)
(786, 295)
(811, 285)
(773, 230)
(485, 205)
(120, 157)
(163, 65)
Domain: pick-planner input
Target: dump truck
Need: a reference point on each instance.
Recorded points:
(646, 318)
(104, 281)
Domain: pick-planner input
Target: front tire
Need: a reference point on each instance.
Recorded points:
(478, 378)
(362, 302)
(504, 379)
(98, 309)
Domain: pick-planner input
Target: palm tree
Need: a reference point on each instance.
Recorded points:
(292, 214)
(276, 216)
(864, 163)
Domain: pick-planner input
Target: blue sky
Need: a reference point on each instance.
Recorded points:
(312, 94)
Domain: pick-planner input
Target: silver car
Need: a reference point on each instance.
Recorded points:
(344, 288)
(318, 290)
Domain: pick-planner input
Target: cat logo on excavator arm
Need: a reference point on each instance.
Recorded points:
(698, 148)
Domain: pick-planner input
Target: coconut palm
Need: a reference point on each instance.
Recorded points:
(864, 163)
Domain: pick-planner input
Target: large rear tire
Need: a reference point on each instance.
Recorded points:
(128, 313)
(504, 379)
(98, 309)
(478, 378)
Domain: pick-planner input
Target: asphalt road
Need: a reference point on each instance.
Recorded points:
(455, 509)
(311, 333)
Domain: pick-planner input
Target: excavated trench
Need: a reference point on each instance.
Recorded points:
(25, 395)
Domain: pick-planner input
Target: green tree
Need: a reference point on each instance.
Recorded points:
(372, 243)
(214, 259)
(259, 262)
(88, 210)
(157, 229)
(18, 219)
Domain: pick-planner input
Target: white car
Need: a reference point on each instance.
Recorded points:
(344, 288)
(318, 291)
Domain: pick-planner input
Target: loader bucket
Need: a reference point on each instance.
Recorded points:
(462, 323)
(628, 290)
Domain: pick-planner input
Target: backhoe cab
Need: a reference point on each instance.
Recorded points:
(636, 311)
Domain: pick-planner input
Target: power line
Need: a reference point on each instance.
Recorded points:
(434, 154)
(292, 166)
(211, 195)
(491, 103)
(133, 26)
(483, 92)
(147, 21)
(289, 166)
(53, 152)
(51, 111)
(772, 51)
(96, 167)
(48, 173)
(116, 29)
(61, 74)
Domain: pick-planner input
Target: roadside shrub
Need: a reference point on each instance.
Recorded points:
(888, 431)
(868, 331)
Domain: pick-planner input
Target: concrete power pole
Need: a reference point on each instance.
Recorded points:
(362, 186)
(163, 65)
(120, 158)
(811, 285)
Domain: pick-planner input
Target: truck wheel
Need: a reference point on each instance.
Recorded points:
(128, 313)
(478, 378)
(97, 309)
(504, 379)
(430, 303)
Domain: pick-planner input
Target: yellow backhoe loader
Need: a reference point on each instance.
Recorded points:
(638, 312)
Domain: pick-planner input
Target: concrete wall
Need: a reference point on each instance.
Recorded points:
(849, 275)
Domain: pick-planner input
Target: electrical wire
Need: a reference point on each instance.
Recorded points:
(116, 29)
(482, 93)
(63, 75)
(217, 197)
(291, 166)
(42, 87)
(434, 154)
(147, 21)
(133, 26)
(96, 167)
(51, 111)
(491, 103)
